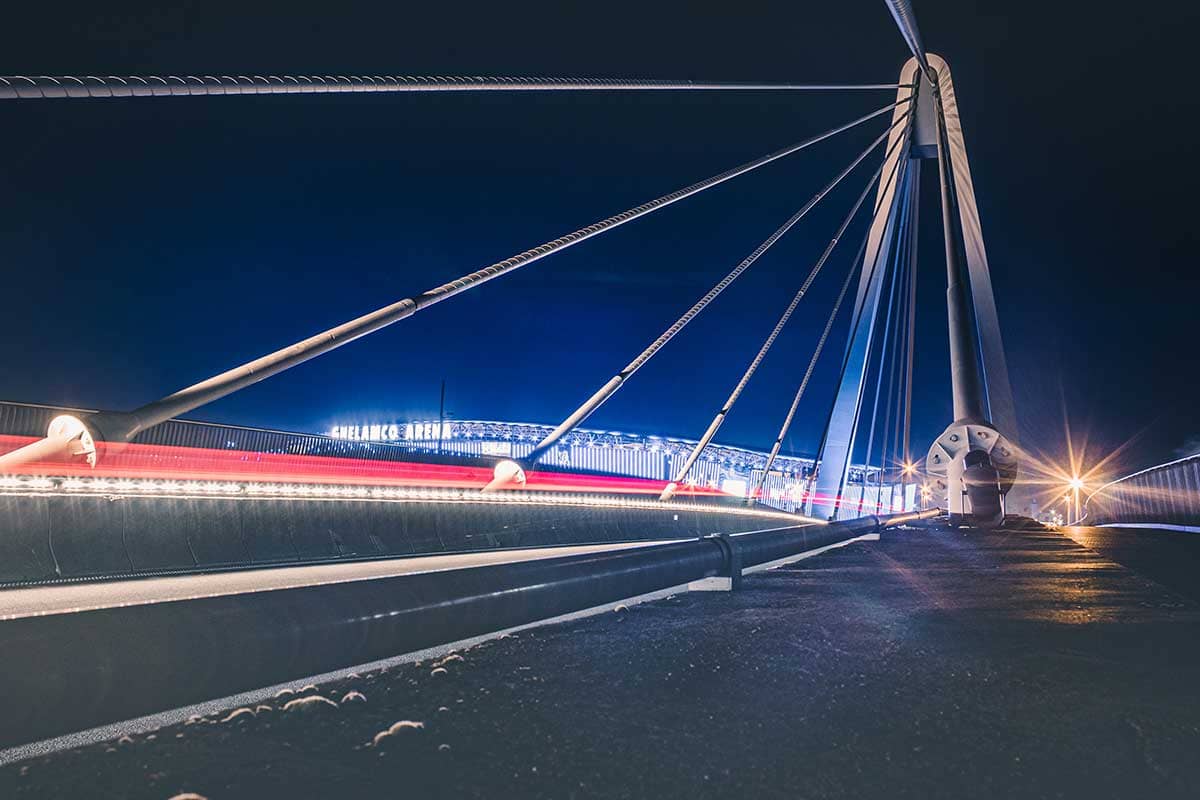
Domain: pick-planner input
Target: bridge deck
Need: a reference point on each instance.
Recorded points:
(926, 665)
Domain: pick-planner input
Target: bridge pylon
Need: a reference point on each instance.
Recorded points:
(974, 463)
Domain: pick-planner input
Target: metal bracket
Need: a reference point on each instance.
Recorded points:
(733, 558)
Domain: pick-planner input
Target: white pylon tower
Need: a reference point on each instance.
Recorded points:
(973, 464)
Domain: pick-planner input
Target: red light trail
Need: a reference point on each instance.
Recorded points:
(160, 462)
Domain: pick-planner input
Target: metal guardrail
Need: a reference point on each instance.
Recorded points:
(59, 536)
(1167, 494)
(69, 672)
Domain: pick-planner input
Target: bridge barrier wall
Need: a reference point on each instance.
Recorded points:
(24, 539)
(1168, 494)
(56, 536)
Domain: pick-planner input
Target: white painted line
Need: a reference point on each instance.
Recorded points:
(781, 562)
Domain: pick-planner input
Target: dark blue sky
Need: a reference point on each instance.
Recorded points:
(149, 244)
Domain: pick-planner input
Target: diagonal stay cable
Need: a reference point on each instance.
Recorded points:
(37, 87)
(855, 321)
(812, 363)
(125, 426)
(904, 343)
(897, 354)
(507, 471)
(902, 178)
(889, 355)
(906, 21)
(719, 419)
(914, 211)
(883, 335)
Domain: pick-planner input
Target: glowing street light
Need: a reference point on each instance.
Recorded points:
(1067, 513)
(1075, 484)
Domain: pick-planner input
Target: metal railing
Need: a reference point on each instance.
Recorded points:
(1167, 494)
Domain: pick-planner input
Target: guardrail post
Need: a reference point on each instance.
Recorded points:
(731, 578)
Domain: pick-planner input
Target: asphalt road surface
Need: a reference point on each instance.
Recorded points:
(1171, 558)
(929, 664)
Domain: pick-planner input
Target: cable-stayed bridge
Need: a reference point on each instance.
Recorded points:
(920, 123)
(136, 531)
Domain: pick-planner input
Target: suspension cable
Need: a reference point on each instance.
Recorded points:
(912, 322)
(856, 320)
(883, 360)
(812, 362)
(610, 388)
(896, 352)
(905, 341)
(897, 355)
(33, 87)
(719, 419)
(904, 364)
(125, 426)
(906, 20)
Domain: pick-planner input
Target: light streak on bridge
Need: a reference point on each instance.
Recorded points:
(192, 472)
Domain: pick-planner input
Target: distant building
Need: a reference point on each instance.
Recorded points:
(735, 470)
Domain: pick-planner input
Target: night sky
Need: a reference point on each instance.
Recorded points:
(148, 244)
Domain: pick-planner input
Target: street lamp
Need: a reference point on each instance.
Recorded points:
(907, 470)
(1075, 485)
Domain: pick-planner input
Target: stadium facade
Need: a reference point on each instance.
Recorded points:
(734, 470)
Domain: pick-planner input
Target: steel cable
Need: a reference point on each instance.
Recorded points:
(906, 21)
(855, 321)
(812, 363)
(897, 353)
(719, 419)
(37, 87)
(124, 426)
(607, 390)
(883, 360)
(914, 210)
